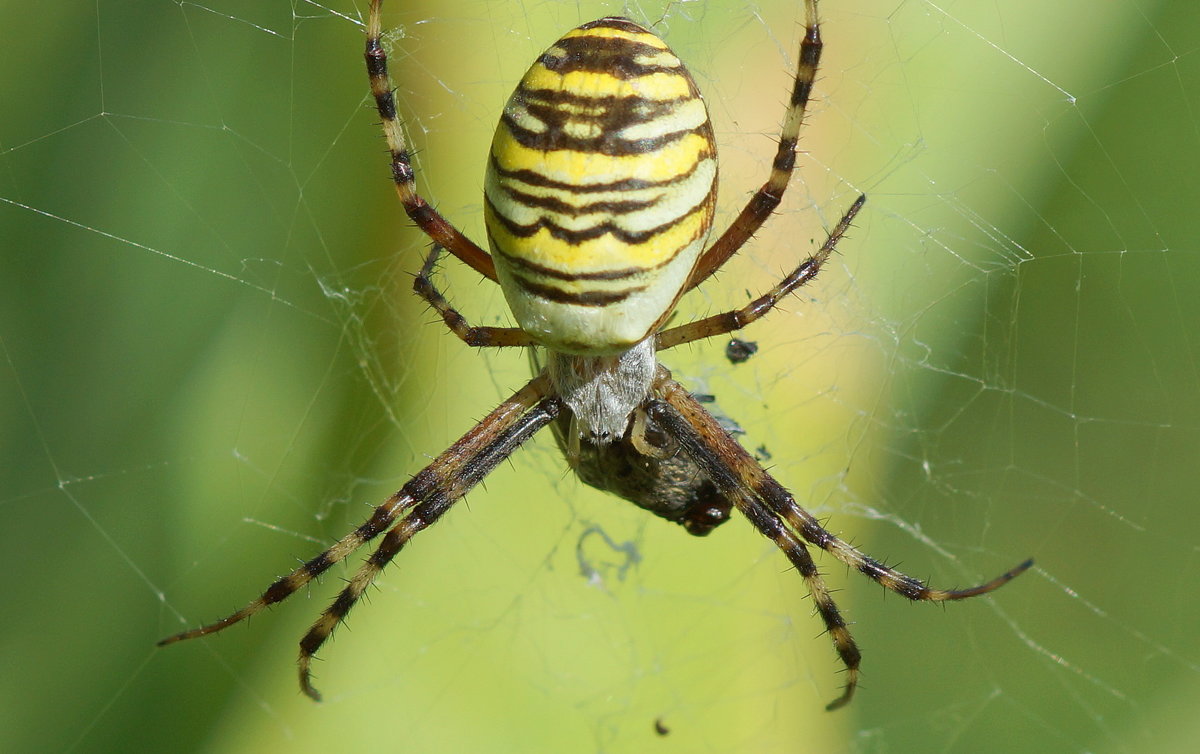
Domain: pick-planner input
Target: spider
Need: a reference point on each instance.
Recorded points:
(599, 197)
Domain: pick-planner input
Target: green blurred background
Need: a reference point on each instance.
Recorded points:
(211, 366)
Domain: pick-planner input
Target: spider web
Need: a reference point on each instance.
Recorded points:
(211, 366)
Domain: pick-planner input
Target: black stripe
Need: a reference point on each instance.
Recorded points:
(785, 156)
(612, 56)
(586, 298)
(812, 531)
(629, 109)
(607, 142)
(318, 565)
(386, 105)
(810, 48)
(376, 59)
(533, 268)
(801, 92)
(625, 184)
(312, 641)
(872, 568)
(341, 607)
(576, 237)
(558, 206)
(279, 591)
(833, 619)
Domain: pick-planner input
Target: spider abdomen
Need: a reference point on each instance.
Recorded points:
(600, 188)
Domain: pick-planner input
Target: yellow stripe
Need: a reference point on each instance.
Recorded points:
(665, 59)
(590, 168)
(655, 86)
(598, 254)
(607, 32)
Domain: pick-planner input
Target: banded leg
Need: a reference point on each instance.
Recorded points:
(699, 437)
(427, 482)
(751, 475)
(736, 473)
(767, 198)
(444, 491)
(426, 217)
(476, 337)
(782, 502)
(797, 554)
(719, 324)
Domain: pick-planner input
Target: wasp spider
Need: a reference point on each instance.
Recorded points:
(599, 197)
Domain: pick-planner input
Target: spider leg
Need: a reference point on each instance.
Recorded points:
(443, 491)
(769, 524)
(700, 436)
(426, 217)
(753, 476)
(739, 476)
(719, 324)
(476, 337)
(767, 198)
(428, 482)
(782, 502)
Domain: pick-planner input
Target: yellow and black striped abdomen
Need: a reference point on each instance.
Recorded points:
(600, 188)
